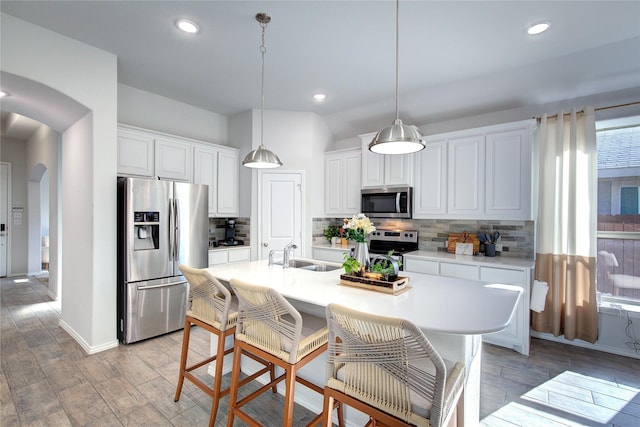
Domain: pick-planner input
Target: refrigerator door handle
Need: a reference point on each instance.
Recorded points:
(163, 285)
(176, 241)
(171, 228)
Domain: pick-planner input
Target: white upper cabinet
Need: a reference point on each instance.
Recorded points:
(342, 182)
(228, 182)
(219, 169)
(508, 174)
(430, 185)
(135, 153)
(380, 170)
(466, 176)
(478, 173)
(148, 153)
(173, 159)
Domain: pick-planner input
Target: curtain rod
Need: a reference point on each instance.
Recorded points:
(610, 107)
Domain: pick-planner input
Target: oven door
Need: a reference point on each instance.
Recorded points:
(387, 202)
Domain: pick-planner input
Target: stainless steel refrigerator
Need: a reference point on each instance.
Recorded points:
(161, 224)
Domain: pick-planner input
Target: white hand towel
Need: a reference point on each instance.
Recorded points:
(539, 295)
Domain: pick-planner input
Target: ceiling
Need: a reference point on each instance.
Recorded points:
(456, 58)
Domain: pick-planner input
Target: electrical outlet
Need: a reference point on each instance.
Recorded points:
(498, 247)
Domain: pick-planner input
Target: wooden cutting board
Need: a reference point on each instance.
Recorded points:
(463, 237)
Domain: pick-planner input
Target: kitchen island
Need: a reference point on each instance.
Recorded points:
(453, 313)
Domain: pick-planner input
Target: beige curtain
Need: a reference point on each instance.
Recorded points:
(566, 226)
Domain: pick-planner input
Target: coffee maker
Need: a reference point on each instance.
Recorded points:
(230, 234)
(230, 230)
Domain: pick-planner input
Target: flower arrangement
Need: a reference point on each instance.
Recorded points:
(358, 227)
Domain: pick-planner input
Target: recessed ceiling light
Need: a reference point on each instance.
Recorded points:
(538, 28)
(187, 26)
(3, 94)
(320, 96)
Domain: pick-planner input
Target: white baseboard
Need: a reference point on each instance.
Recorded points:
(85, 346)
(584, 344)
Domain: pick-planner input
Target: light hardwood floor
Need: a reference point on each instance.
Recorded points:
(48, 380)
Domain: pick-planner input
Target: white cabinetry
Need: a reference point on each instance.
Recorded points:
(147, 153)
(508, 175)
(430, 191)
(476, 173)
(135, 153)
(466, 176)
(219, 169)
(226, 256)
(329, 254)
(379, 170)
(342, 182)
(516, 335)
(228, 182)
(173, 159)
(512, 336)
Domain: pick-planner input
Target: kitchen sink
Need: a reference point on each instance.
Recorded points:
(311, 265)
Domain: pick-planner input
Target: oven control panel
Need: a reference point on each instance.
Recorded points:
(395, 235)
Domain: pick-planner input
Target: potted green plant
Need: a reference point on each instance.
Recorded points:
(351, 266)
(330, 232)
(386, 266)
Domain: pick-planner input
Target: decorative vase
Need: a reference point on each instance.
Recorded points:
(361, 254)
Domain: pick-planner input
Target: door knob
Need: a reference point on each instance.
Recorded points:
(265, 244)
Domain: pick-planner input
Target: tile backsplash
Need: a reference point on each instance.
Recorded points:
(516, 237)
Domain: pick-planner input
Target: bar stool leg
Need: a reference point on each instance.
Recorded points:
(217, 381)
(235, 378)
(183, 358)
(290, 384)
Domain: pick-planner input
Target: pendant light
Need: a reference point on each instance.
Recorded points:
(261, 157)
(397, 138)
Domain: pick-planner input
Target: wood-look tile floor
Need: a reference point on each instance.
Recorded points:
(48, 380)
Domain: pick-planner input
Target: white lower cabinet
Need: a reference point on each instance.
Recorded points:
(329, 254)
(421, 265)
(226, 256)
(516, 334)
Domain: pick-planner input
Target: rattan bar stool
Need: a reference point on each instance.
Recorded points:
(270, 328)
(212, 308)
(386, 368)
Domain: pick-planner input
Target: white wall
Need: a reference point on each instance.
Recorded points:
(42, 166)
(150, 111)
(240, 137)
(88, 76)
(299, 139)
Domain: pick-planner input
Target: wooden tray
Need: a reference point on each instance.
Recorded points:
(398, 286)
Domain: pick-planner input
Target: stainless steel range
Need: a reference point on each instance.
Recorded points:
(400, 241)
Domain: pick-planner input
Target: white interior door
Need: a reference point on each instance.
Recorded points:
(280, 212)
(4, 217)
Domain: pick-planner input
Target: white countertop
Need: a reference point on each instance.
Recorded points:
(337, 247)
(471, 259)
(434, 303)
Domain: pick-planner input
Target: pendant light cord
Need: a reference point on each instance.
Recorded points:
(263, 49)
(397, 59)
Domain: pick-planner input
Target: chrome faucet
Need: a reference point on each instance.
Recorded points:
(271, 252)
(287, 254)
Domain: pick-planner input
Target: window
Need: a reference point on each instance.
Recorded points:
(618, 277)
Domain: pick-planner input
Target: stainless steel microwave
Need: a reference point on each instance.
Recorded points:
(387, 202)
